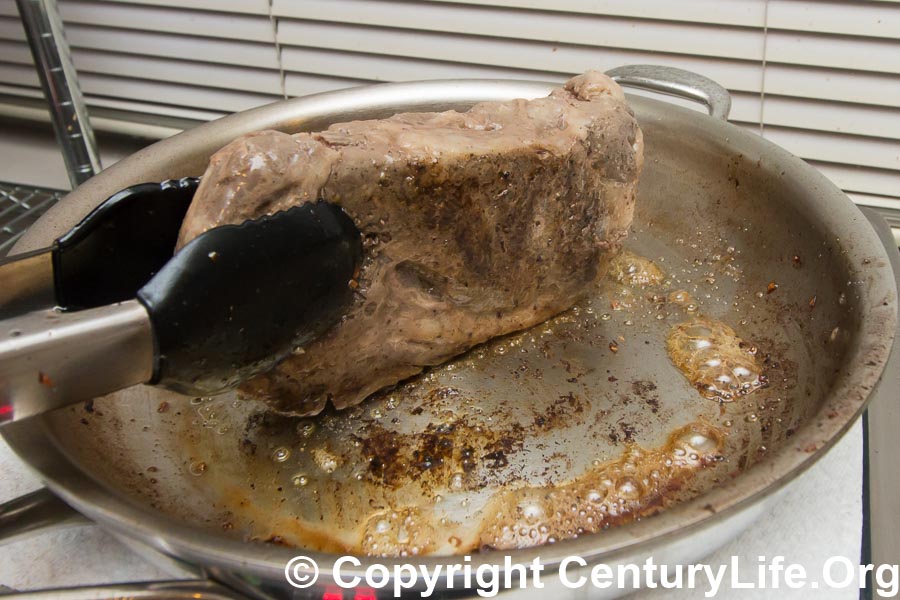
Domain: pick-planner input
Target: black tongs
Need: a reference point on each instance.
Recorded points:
(119, 309)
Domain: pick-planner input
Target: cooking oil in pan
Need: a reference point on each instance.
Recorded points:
(714, 359)
(630, 269)
(606, 495)
(672, 376)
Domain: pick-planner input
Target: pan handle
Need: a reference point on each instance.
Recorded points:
(35, 512)
(676, 82)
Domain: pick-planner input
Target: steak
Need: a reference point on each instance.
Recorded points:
(475, 224)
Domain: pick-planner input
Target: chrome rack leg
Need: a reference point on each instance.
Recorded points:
(44, 29)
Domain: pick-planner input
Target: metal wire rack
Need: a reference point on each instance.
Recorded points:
(20, 206)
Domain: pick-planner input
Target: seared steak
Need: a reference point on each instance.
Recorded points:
(476, 224)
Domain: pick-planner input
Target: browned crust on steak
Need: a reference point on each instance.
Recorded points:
(476, 224)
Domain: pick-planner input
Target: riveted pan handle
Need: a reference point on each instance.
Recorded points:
(676, 82)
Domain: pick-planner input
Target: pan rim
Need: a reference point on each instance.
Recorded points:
(847, 398)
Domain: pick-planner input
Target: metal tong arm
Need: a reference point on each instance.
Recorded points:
(230, 304)
(50, 359)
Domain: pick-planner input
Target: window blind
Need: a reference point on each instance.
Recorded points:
(819, 77)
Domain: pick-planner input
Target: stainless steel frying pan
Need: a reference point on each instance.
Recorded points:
(730, 229)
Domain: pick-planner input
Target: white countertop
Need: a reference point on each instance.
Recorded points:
(819, 516)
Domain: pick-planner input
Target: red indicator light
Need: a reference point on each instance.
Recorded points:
(333, 593)
(365, 594)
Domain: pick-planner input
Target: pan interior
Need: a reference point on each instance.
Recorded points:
(525, 440)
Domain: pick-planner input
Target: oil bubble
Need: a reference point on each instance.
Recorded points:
(633, 270)
(281, 454)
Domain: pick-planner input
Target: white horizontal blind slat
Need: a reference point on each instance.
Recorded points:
(19, 74)
(247, 7)
(873, 201)
(151, 43)
(865, 19)
(832, 51)
(21, 91)
(11, 28)
(376, 67)
(854, 178)
(178, 112)
(749, 13)
(301, 84)
(832, 84)
(177, 94)
(835, 117)
(15, 52)
(226, 77)
(845, 149)
(168, 20)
